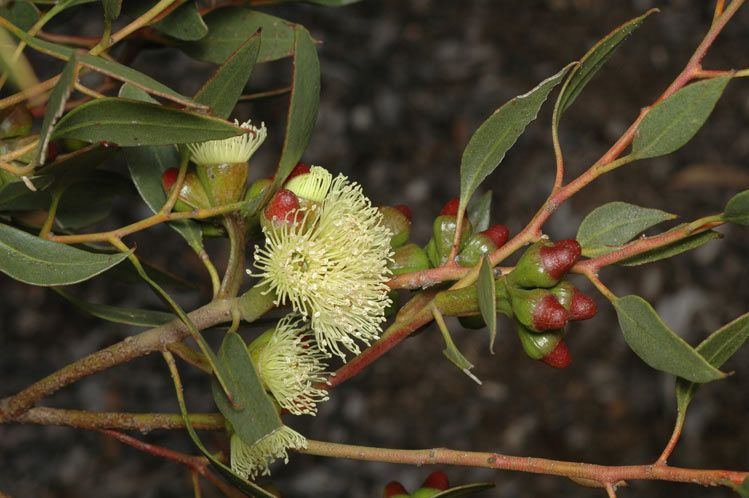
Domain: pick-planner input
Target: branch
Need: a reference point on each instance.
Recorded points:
(143, 422)
(603, 474)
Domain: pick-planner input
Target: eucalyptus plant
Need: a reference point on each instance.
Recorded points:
(340, 280)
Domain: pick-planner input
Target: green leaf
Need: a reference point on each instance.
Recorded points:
(673, 122)
(479, 212)
(659, 346)
(487, 295)
(464, 490)
(253, 414)
(247, 487)
(89, 199)
(489, 144)
(130, 122)
(112, 9)
(614, 224)
(229, 28)
(716, 349)
(671, 250)
(16, 196)
(116, 314)
(21, 13)
(223, 89)
(106, 67)
(56, 106)
(37, 261)
(451, 351)
(592, 62)
(737, 209)
(742, 490)
(303, 104)
(183, 23)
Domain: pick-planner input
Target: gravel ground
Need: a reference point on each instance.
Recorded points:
(404, 84)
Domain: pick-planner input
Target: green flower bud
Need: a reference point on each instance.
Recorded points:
(544, 264)
(15, 121)
(398, 222)
(257, 188)
(225, 183)
(579, 305)
(443, 234)
(538, 346)
(407, 259)
(191, 195)
(537, 309)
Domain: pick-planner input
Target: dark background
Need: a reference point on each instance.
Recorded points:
(404, 85)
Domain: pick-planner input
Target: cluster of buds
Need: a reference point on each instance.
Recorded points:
(434, 484)
(542, 302)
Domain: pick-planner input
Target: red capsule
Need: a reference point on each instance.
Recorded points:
(548, 314)
(560, 357)
(436, 480)
(497, 234)
(168, 178)
(451, 207)
(405, 210)
(557, 259)
(281, 205)
(582, 307)
(394, 488)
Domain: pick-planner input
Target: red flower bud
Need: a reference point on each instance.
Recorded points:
(582, 307)
(548, 314)
(299, 169)
(560, 357)
(168, 178)
(497, 234)
(436, 480)
(394, 488)
(405, 210)
(281, 205)
(451, 207)
(559, 257)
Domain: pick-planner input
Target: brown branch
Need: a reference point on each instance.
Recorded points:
(603, 474)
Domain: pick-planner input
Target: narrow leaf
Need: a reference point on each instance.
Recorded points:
(112, 9)
(614, 224)
(247, 487)
(42, 262)
(487, 294)
(89, 199)
(659, 346)
(451, 351)
(129, 123)
(229, 28)
(671, 250)
(716, 349)
(673, 122)
(303, 104)
(737, 209)
(22, 13)
(55, 106)
(16, 196)
(183, 23)
(592, 62)
(116, 314)
(222, 91)
(489, 144)
(253, 415)
(479, 212)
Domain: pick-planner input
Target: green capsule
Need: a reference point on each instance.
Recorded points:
(537, 346)
(398, 223)
(408, 259)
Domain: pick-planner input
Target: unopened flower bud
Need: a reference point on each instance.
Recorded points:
(560, 356)
(408, 259)
(544, 264)
(398, 223)
(443, 234)
(15, 121)
(436, 480)
(451, 207)
(191, 196)
(394, 489)
(538, 346)
(580, 306)
(312, 186)
(299, 169)
(257, 188)
(482, 243)
(538, 309)
(283, 208)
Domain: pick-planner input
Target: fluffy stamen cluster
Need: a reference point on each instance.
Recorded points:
(291, 365)
(237, 149)
(250, 460)
(332, 267)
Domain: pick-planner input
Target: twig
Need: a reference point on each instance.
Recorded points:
(142, 422)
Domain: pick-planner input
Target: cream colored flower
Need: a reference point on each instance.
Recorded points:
(250, 460)
(237, 149)
(291, 365)
(331, 266)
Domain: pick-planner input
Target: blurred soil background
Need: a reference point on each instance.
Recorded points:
(404, 85)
